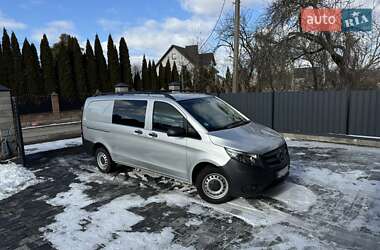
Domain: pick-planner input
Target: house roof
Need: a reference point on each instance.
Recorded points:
(191, 54)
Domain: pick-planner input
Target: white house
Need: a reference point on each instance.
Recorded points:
(188, 57)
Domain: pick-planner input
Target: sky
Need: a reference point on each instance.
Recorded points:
(149, 27)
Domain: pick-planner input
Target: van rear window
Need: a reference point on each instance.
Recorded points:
(129, 113)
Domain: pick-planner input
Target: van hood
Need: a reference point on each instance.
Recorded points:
(250, 138)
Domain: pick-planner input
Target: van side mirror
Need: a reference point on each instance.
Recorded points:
(176, 132)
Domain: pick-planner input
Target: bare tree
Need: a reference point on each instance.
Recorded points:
(247, 43)
(262, 59)
(352, 53)
(270, 50)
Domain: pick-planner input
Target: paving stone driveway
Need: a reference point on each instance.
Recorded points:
(330, 201)
(23, 215)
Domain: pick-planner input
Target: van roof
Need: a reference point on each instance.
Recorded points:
(177, 96)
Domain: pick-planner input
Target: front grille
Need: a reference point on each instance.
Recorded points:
(277, 158)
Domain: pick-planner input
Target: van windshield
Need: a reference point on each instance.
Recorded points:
(213, 113)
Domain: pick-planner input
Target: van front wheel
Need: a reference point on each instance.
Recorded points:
(213, 186)
(103, 160)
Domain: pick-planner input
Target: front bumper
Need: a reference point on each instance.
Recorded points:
(248, 181)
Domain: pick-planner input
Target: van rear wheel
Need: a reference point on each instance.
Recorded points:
(213, 186)
(103, 160)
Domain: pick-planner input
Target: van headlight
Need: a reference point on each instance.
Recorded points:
(245, 158)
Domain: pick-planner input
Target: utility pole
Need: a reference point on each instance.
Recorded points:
(236, 47)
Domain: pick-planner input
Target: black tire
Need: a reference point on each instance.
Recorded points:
(103, 160)
(215, 174)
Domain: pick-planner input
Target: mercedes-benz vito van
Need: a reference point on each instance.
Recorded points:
(196, 138)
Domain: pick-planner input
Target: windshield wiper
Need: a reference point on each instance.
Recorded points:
(234, 124)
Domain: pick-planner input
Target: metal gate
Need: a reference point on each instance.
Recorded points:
(12, 146)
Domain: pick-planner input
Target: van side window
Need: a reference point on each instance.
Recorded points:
(166, 116)
(129, 113)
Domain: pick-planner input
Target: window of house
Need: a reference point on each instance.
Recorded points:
(129, 113)
(174, 56)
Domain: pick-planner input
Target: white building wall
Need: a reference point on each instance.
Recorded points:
(175, 56)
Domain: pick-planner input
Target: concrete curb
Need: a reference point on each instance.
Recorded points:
(335, 139)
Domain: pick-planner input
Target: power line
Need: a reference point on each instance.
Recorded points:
(216, 24)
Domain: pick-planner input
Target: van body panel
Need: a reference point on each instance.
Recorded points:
(251, 138)
(96, 122)
(164, 153)
(200, 152)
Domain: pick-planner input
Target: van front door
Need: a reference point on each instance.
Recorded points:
(167, 153)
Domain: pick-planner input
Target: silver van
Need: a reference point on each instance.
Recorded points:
(196, 138)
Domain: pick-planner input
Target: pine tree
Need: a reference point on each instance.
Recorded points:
(39, 88)
(167, 75)
(32, 77)
(174, 75)
(78, 68)
(149, 76)
(2, 76)
(125, 64)
(228, 76)
(145, 75)
(154, 77)
(113, 62)
(17, 64)
(48, 66)
(91, 69)
(137, 81)
(161, 76)
(185, 77)
(25, 52)
(8, 71)
(101, 67)
(65, 74)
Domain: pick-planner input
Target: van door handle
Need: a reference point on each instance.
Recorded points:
(138, 131)
(153, 134)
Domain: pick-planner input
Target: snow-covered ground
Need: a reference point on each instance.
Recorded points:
(77, 228)
(14, 178)
(330, 201)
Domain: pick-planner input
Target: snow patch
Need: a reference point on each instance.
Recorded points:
(296, 197)
(142, 240)
(193, 222)
(354, 185)
(109, 225)
(196, 209)
(300, 153)
(14, 178)
(323, 155)
(76, 228)
(171, 199)
(280, 237)
(349, 183)
(51, 125)
(365, 136)
(53, 145)
(314, 144)
(263, 215)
